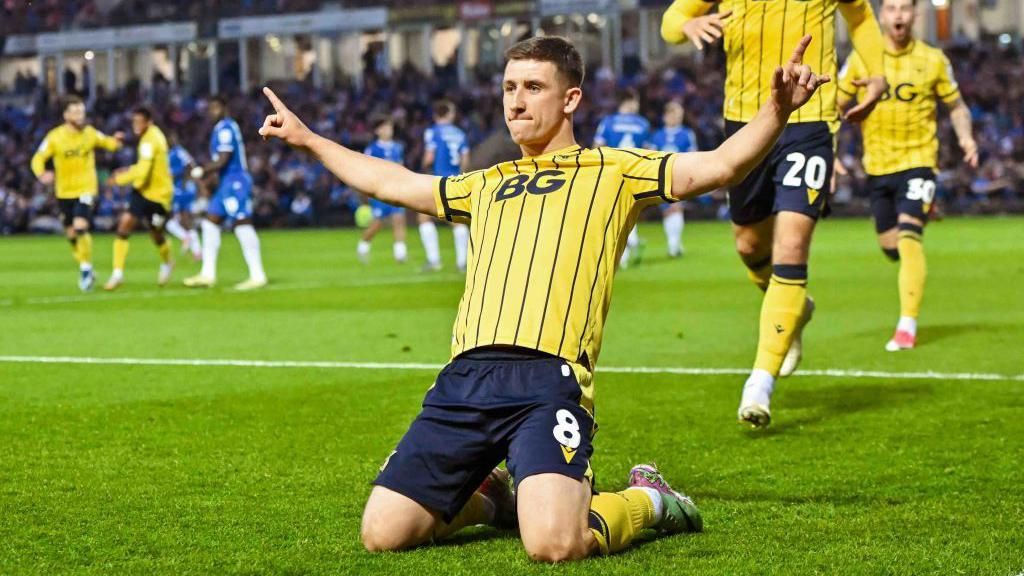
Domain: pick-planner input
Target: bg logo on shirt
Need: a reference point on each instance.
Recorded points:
(543, 182)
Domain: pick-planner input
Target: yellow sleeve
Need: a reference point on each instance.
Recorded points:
(453, 196)
(646, 175)
(946, 87)
(679, 13)
(853, 69)
(42, 155)
(865, 34)
(106, 142)
(138, 174)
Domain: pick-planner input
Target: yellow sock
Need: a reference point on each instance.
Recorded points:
(617, 517)
(165, 251)
(781, 309)
(760, 273)
(85, 248)
(477, 511)
(913, 270)
(120, 252)
(74, 250)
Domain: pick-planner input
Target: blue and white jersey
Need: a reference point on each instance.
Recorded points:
(674, 139)
(179, 159)
(623, 131)
(390, 150)
(448, 143)
(227, 137)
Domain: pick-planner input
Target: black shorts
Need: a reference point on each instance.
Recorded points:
(71, 208)
(909, 192)
(146, 210)
(795, 177)
(481, 411)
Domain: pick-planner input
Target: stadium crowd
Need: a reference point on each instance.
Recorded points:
(292, 190)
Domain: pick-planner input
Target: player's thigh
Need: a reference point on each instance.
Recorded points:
(82, 212)
(553, 517)
(802, 170)
(754, 240)
(393, 521)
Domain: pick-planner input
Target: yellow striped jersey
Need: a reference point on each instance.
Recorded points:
(546, 233)
(74, 162)
(761, 35)
(151, 173)
(901, 132)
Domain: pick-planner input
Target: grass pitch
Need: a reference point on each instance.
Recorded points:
(163, 469)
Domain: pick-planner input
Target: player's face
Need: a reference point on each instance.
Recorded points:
(385, 131)
(898, 19)
(139, 124)
(673, 114)
(216, 111)
(537, 101)
(75, 115)
(629, 107)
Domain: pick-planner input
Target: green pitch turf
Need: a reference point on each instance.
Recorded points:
(157, 469)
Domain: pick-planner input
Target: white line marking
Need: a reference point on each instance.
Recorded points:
(181, 293)
(331, 364)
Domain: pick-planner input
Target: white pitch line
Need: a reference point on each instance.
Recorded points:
(178, 293)
(330, 364)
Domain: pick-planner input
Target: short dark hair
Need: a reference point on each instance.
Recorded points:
(629, 94)
(378, 120)
(555, 49)
(144, 112)
(70, 101)
(443, 108)
(219, 99)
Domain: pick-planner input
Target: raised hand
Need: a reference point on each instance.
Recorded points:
(284, 124)
(874, 88)
(705, 30)
(794, 83)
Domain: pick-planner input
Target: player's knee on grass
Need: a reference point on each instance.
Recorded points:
(553, 513)
(393, 522)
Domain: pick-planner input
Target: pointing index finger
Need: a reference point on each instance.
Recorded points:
(274, 100)
(798, 53)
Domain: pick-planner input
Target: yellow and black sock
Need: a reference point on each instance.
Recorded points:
(913, 269)
(760, 272)
(120, 252)
(165, 251)
(617, 517)
(74, 249)
(477, 511)
(781, 309)
(84, 246)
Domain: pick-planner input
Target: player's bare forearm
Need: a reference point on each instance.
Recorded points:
(698, 173)
(960, 116)
(381, 179)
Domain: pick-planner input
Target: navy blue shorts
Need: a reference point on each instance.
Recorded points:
(795, 177)
(908, 192)
(481, 411)
(71, 208)
(145, 210)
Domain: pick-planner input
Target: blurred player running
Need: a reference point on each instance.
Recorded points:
(626, 129)
(446, 154)
(150, 201)
(181, 224)
(547, 232)
(901, 150)
(72, 147)
(386, 148)
(673, 137)
(775, 209)
(231, 203)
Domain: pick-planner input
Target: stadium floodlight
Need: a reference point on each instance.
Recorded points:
(940, 3)
(89, 55)
(1005, 39)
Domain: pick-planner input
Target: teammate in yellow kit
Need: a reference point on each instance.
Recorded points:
(546, 232)
(775, 209)
(72, 147)
(150, 201)
(901, 150)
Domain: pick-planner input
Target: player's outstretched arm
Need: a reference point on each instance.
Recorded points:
(689, 19)
(867, 41)
(697, 173)
(387, 181)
